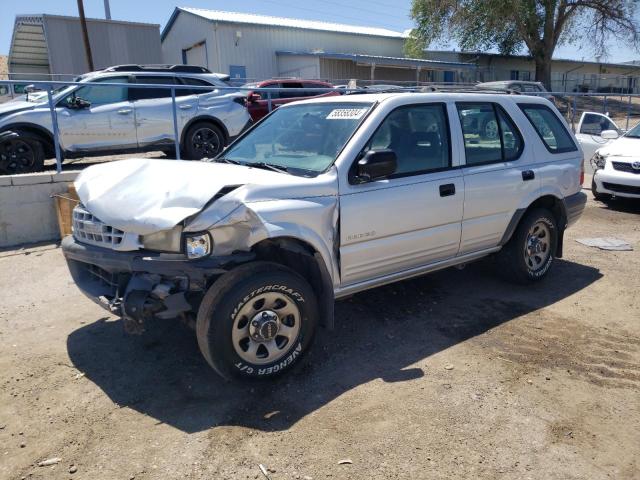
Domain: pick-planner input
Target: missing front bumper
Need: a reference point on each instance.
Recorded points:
(142, 285)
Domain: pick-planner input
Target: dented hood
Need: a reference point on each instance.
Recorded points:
(145, 196)
(622, 147)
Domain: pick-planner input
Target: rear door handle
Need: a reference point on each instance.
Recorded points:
(125, 111)
(447, 190)
(185, 107)
(528, 175)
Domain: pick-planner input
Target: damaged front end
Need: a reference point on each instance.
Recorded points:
(141, 285)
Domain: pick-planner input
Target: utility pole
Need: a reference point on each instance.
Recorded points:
(107, 10)
(85, 35)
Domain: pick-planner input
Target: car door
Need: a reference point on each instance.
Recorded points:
(498, 173)
(154, 110)
(589, 130)
(412, 218)
(107, 123)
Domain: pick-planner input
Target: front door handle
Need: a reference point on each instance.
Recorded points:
(125, 111)
(447, 190)
(185, 106)
(528, 175)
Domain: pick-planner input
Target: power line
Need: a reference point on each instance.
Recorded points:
(359, 20)
(362, 9)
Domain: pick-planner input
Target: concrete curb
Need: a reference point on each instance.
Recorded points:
(27, 211)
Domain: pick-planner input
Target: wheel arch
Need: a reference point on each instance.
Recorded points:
(40, 131)
(303, 258)
(548, 201)
(204, 119)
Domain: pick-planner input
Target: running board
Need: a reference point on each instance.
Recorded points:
(347, 290)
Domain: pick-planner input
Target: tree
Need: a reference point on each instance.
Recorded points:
(537, 25)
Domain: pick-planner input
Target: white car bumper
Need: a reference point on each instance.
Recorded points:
(623, 182)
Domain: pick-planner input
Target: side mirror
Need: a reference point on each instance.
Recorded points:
(254, 97)
(609, 134)
(30, 89)
(376, 165)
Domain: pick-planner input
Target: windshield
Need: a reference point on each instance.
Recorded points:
(634, 132)
(305, 137)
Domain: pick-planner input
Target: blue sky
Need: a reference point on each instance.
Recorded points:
(392, 14)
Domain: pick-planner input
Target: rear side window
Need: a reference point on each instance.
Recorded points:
(150, 93)
(549, 127)
(489, 134)
(198, 83)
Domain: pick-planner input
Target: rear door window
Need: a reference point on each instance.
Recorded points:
(489, 134)
(286, 93)
(549, 127)
(139, 93)
(196, 91)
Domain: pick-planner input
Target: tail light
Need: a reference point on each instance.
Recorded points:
(582, 172)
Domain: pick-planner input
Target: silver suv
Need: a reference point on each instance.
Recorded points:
(322, 199)
(98, 120)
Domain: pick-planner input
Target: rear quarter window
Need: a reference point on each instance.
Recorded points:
(549, 128)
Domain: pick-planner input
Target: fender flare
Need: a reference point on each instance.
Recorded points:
(559, 209)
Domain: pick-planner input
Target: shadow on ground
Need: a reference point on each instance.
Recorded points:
(379, 334)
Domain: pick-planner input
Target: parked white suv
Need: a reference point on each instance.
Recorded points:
(100, 120)
(322, 199)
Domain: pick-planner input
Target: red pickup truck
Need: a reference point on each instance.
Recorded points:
(258, 103)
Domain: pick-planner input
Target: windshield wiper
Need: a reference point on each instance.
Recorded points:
(227, 160)
(268, 166)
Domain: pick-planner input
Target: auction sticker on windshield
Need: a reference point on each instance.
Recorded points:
(346, 113)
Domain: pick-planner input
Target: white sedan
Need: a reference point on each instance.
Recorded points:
(617, 168)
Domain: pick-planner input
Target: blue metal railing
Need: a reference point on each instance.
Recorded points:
(53, 98)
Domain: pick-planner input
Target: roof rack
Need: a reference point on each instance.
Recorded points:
(467, 89)
(158, 68)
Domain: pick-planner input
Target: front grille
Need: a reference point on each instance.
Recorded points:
(89, 229)
(625, 167)
(616, 187)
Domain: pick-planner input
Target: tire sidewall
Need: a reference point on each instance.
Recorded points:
(189, 148)
(548, 220)
(221, 318)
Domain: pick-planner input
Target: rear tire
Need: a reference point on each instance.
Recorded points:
(600, 197)
(529, 254)
(256, 321)
(24, 154)
(203, 140)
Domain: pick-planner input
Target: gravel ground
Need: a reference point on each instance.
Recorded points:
(454, 375)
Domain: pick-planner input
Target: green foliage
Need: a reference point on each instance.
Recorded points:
(537, 26)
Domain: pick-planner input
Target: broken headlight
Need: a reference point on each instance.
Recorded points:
(598, 161)
(198, 245)
(165, 241)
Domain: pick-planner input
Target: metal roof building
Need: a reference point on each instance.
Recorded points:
(255, 47)
(52, 45)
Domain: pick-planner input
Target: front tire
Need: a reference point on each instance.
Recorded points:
(256, 321)
(203, 140)
(23, 154)
(529, 254)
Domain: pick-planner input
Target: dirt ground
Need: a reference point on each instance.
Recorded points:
(454, 375)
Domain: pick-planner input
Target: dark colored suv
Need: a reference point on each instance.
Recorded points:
(258, 103)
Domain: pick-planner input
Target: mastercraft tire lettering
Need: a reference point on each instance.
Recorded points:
(256, 321)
